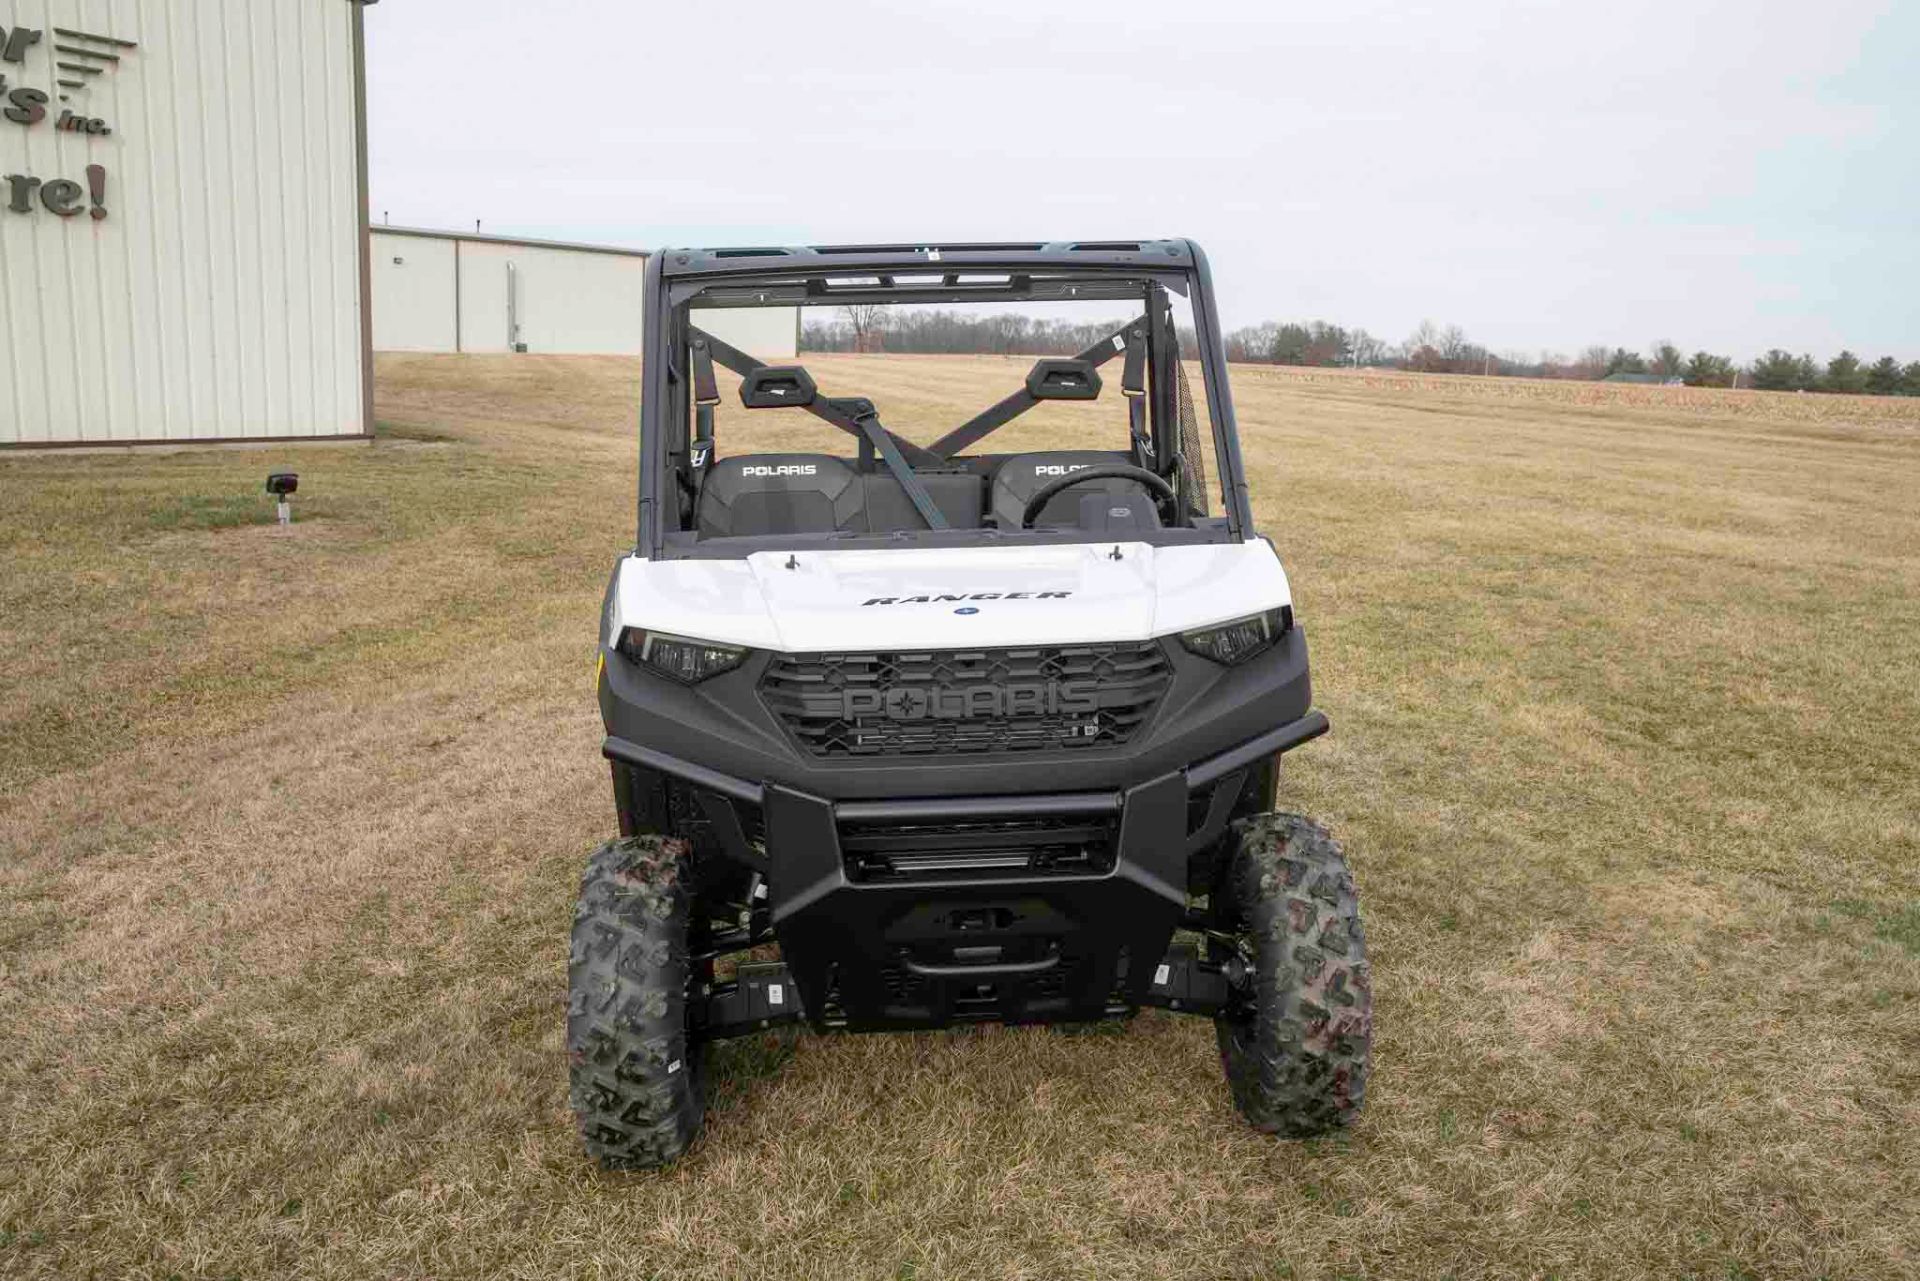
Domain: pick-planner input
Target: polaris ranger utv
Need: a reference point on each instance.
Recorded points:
(968, 735)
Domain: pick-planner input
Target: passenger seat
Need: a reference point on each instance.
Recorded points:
(780, 494)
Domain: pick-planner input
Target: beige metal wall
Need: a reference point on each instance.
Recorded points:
(568, 300)
(219, 295)
(413, 292)
(565, 300)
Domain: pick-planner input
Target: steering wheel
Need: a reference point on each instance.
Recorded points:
(1163, 496)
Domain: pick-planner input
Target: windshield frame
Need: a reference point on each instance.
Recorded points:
(677, 279)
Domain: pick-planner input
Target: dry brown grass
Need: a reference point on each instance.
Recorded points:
(1702, 401)
(1625, 700)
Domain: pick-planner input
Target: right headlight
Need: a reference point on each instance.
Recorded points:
(683, 658)
(1241, 639)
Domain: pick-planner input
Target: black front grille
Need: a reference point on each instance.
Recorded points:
(1056, 697)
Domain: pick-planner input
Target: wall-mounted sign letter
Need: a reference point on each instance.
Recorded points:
(62, 197)
(70, 123)
(14, 46)
(20, 188)
(26, 106)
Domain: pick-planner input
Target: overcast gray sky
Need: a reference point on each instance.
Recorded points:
(1732, 176)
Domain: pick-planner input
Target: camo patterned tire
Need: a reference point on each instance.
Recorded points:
(1296, 1041)
(638, 1081)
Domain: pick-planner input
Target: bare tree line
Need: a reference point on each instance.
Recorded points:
(874, 327)
(1432, 349)
(1436, 350)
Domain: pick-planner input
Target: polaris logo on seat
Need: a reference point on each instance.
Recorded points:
(1060, 469)
(788, 469)
(957, 703)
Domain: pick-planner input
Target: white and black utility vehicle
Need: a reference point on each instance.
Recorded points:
(968, 733)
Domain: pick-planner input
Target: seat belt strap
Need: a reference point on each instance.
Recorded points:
(868, 425)
(999, 415)
(1133, 385)
(705, 390)
(822, 407)
(1133, 375)
(706, 394)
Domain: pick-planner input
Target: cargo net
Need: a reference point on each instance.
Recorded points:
(1193, 464)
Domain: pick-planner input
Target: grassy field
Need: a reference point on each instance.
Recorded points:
(1626, 695)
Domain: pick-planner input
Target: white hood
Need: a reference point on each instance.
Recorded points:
(950, 598)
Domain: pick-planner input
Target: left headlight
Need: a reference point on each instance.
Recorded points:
(683, 658)
(1241, 639)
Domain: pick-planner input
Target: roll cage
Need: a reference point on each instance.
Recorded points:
(678, 388)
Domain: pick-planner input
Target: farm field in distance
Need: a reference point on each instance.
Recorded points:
(1625, 687)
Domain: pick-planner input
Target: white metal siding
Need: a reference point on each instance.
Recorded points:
(570, 301)
(413, 292)
(220, 297)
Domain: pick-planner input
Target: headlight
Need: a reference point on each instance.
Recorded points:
(680, 657)
(1236, 642)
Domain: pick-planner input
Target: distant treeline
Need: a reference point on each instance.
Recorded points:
(1448, 350)
(1004, 333)
(1429, 349)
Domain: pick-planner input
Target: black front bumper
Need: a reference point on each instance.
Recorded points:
(920, 890)
(910, 913)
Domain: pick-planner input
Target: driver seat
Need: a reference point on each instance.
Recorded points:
(1021, 477)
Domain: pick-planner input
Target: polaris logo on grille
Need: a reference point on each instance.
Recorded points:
(790, 469)
(963, 597)
(986, 701)
(959, 703)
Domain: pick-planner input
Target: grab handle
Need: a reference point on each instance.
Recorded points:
(989, 970)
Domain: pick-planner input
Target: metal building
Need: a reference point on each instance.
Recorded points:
(182, 221)
(466, 292)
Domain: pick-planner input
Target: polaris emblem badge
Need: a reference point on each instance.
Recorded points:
(1060, 469)
(968, 609)
(790, 469)
(958, 703)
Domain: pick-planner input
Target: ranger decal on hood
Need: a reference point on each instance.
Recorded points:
(929, 600)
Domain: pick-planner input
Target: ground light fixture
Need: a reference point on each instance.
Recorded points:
(282, 484)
